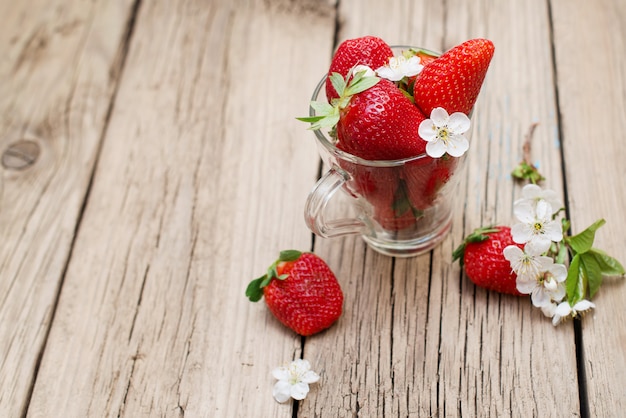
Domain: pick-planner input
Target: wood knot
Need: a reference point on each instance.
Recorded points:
(21, 155)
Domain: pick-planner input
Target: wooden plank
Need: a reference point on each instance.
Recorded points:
(202, 180)
(593, 116)
(419, 338)
(59, 69)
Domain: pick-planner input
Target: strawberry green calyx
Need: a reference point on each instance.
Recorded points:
(327, 114)
(254, 291)
(478, 235)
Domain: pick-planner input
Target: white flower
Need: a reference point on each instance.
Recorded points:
(564, 309)
(400, 67)
(547, 288)
(360, 68)
(532, 194)
(528, 265)
(444, 133)
(293, 380)
(537, 228)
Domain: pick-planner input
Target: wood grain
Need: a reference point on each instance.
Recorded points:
(194, 197)
(419, 339)
(593, 117)
(59, 67)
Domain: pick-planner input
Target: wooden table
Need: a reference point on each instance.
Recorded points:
(152, 166)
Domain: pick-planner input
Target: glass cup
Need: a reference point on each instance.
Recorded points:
(402, 208)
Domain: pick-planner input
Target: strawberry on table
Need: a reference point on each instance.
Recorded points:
(301, 292)
(453, 80)
(481, 255)
(367, 50)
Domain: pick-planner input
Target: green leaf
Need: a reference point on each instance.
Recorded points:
(609, 265)
(360, 85)
(592, 273)
(310, 119)
(322, 108)
(573, 284)
(254, 291)
(457, 254)
(289, 255)
(582, 242)
(338, 82)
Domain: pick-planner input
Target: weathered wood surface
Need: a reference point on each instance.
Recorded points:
(592, 103)
(172, 171)
(59, 69)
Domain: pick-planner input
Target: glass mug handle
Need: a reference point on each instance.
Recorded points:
(315, 207)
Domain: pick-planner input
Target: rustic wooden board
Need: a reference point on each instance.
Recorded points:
(59, 69)
(593, 112)
(201, 182)
(425, 341)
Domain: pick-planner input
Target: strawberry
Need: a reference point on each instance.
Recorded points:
(301, 292)
(481, 254)
(425, 177)
(367, 50)
(454, 79)
(381, 123)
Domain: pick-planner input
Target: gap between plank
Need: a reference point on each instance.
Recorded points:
(583, 396)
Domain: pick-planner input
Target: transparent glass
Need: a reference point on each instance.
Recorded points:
(402, 207)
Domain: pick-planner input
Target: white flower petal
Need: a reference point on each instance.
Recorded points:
(299, 391)
(281, 373)
(524, 211)
(540, 242)
(439, 116)
(457, 145)
(558, 294)
(282, 391)
(513, 253)
(543, 210)
(310, 377)
(521, 233)
(583, 305)
(435, 149)
(553, 231)
(389, 73)
(531, 191)
(558, 271)
(563, 309)
(539, 297)
(427, 130)
(458, 123)
(368, 71)
(525, 286)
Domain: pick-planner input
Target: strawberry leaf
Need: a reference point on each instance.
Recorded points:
(338, 82)
(289, 255)
(582, 242)
(254, 291)
(359, 84)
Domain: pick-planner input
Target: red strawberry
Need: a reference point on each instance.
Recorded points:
(453, 80)
(301, 291)
(381, 123)
(482, 256)
(367, 50)
(425, 177)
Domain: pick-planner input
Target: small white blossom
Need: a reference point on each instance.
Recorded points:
(400, 67)
(537, 228)
(526, 264)
(547, 288)
(444, 133)
(293, 380)
(360, 68)
(564, 309)
(532, 194)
